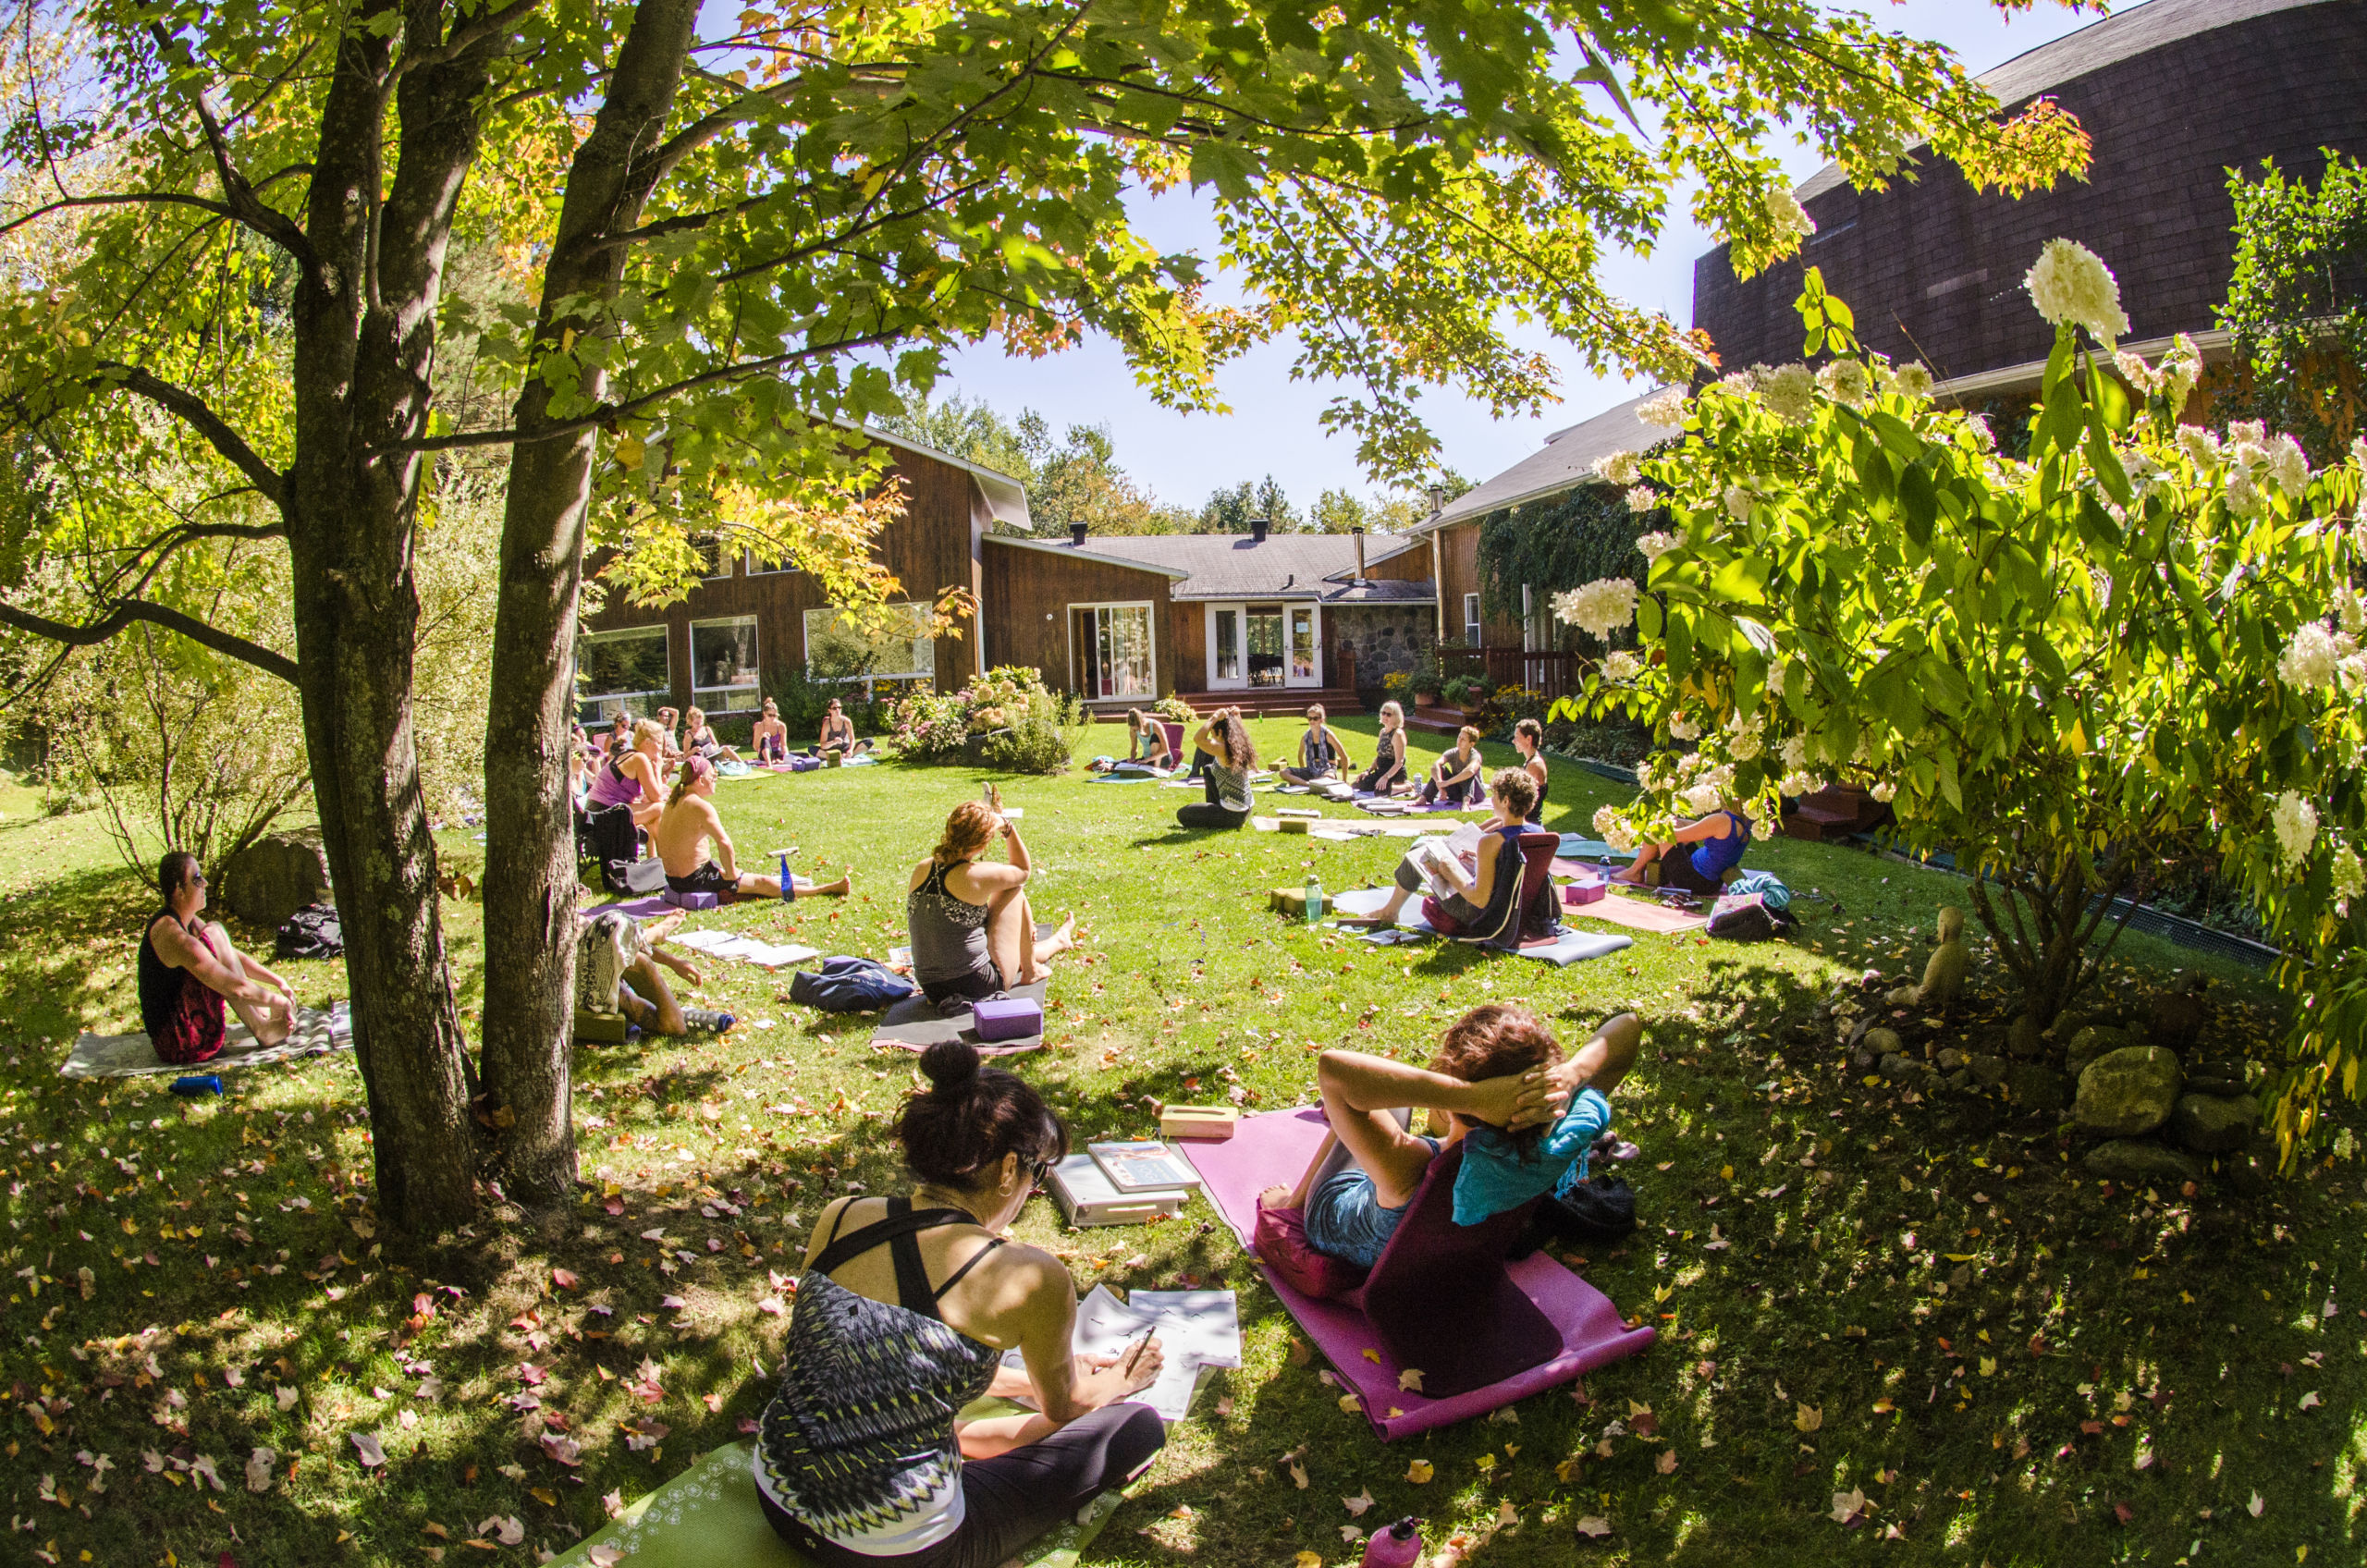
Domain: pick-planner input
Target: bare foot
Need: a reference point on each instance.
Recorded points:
(1275, 1197)
(838, 889)
(663, 926)
(1059, 941)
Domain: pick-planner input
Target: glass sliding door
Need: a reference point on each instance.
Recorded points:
(1114, 654)
(1264, 623)
(1304, 662)
(1225, 668)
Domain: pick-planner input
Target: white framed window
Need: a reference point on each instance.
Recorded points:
(1112, 650)
(838, 647)
(1471, 621)
(755, 565)
(713, 565)
(1225, 647)
(626, 670)
(723, 664)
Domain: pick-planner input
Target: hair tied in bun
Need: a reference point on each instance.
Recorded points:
(951, 1066)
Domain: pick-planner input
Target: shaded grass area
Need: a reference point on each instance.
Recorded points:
(1923, 1302)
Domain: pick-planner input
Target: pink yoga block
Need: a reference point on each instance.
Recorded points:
(1583, 892)
(1009, 1017)
(693, 900)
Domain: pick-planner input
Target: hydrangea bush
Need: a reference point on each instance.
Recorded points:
(2136, 650)
(1007, 717)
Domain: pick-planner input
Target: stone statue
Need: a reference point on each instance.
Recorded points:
(1943, 975)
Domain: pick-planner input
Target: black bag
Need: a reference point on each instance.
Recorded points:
(312, 932)
(1747, 918)
(1600, 1210)
(607, 834)
(849, 985)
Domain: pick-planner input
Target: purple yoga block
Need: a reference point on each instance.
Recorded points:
(1009, 1018)
(693, 900)
(1583, 892)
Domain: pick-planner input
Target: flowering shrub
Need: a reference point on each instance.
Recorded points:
(925, 727)
(2131, 654)
(1005, 718)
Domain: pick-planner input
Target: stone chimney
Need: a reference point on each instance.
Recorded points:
(1360, 554)
(1077, 535)
(1258, 526)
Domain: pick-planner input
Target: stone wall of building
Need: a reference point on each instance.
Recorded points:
(1387, 639)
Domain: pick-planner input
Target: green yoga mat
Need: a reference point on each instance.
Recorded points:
(708, 1516)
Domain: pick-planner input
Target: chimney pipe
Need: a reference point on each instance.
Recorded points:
(1077, 535)
(1360, 554)
(1258, 526)
(1438, 499)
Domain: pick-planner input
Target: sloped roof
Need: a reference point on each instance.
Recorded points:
(1236, 565)
(1005, 496)
(1566, 461)
(2124, 35)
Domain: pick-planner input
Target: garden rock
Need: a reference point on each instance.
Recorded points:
(2041, 1088)
(2093, 1041)
(2129, 1091)
(1881, 1044)
(2024, 1037)
(1950, 1058)
(1988, 1069)
(2210, 1124)
(274, 877)
(2140, 1159)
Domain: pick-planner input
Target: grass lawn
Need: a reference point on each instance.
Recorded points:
(1922, 1302)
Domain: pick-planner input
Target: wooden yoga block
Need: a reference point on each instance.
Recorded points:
(600, 1028)
(1210, 1123)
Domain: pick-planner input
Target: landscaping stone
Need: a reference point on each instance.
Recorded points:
(1960, 1080)
(2024, 1037)
(2040, 1087)
(1950, 1058)
(274, 877)
(2214, 1124)
(2142, 1159)
(2093, 1041)
(2129, 1091)
(1988, 1069)
(1881, 1043)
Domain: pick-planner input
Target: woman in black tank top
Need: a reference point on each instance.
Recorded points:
(1528, 739)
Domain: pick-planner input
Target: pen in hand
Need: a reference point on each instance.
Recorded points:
(1134, 1352)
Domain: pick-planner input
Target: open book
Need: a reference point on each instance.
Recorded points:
(1197, 1330)
(1431, 853)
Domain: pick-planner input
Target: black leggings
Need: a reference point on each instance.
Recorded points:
(1015, 1498)
(1210, 812)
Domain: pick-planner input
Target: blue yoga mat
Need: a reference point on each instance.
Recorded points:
(1573, 847)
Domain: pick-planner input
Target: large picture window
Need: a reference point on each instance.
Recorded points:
(838, 647)
(723, 664)
(627, 671)
(1112, 647)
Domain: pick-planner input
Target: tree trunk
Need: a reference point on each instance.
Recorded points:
(364, 324)
(530, 886)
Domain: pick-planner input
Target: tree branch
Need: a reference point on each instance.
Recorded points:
(483, 26)
(192, 410)
(131, 611)
(244, 204)
(167, 198)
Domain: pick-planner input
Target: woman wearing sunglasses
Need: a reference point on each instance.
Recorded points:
(904, 1311)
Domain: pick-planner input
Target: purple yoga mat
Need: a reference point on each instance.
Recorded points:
(1274, 1146)
(640, 909)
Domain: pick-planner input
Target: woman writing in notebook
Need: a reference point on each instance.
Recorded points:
(1469, 889)
(902, 1318)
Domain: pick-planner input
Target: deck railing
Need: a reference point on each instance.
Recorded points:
(1549, 673)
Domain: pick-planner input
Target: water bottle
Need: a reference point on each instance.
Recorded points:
(788, 884)
(1400, 1545)
(1313, 899)
(198, 1084)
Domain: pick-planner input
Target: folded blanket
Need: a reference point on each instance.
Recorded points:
(131, 1055)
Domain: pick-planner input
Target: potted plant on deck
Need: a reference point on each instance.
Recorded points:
(1426, 680)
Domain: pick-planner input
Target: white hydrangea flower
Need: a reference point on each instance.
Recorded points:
(1663, 409)
(2200, 446)
(1790, 393)
(1680, 728)
(1743, 738)
(1845, 381)
(1883, 791)
(1775, 679)
(2358, 450)
(1795, 754)
(1622, 665)
(2296, 821)
(1704, 798)
(1789, 220)
(1613, 830)
(1983, 435)
(1655, 544)
(1800, 782)
(2345, 1146)
(1600, 608)
(2249, 433)
(1738, 503)
(1912, 379)
(2311, 660)
(2288, 465)
(2181, 367)
(2071, 283)
(2243, 496)
(1639, 499)
(2349, 878)
(2142, 377)
(1618, 468)
(2351, 611)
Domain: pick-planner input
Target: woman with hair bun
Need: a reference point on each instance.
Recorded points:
(905, 1308)
(972, 928)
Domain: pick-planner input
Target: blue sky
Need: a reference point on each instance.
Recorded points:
(1272, 427)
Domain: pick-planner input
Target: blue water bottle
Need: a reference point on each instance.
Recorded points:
(198, 1084)
(788, 883)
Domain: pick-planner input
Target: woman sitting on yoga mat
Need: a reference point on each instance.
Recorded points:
(1232, 759)
(771, 735)
(698, 739)
(188, 968)
(1387, 774)
(630, 777)
(1529, 739)
(972, 928)
(1147, 740)
(690, 820)
(1497, 1070)
(1321, 752)
(1454, 777)
(837, 734)
(904, 1310)
(1512, 794)
(1717, 840)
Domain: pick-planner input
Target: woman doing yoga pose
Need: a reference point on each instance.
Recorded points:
(1232, 759)
(1717, 841)
(1387, 774)
(838, 733)
(1472, 888)
(1321, 752)
(1494, 1080)
(1454, 777)
(973, 930)
(1529, 739)
(905, 1308)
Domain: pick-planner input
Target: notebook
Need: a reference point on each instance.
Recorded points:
(1143, 1166)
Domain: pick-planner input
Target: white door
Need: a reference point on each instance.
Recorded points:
(1227, 668)
(1304, 662)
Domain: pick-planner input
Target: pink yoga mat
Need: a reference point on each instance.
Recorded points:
(1274, 1146)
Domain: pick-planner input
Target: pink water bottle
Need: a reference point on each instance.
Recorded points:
(1400, 1545)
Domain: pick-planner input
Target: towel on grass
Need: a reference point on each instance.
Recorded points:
(130, 1055)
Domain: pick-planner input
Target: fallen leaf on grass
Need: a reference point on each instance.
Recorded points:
(1292, 1462)
(1352, 1533)
(563, 1279)
(1506, 1515)
(2311, 1400)
(1357, 1505)
(1569, 1471)
(1848, 1507)
(1419, 1472)
(2256, 1505)
(1310, 1560)
(1809, 1419)
(509, 1531)
(366, 1449)
(258, 1468)
(286, 1396)
(1594, 1527)
(613, 1503)
(1299, 1352)
(1666, 1464)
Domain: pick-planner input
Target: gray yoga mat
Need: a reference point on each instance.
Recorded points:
(914, 1025)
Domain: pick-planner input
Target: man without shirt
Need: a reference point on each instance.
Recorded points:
(690, 820)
